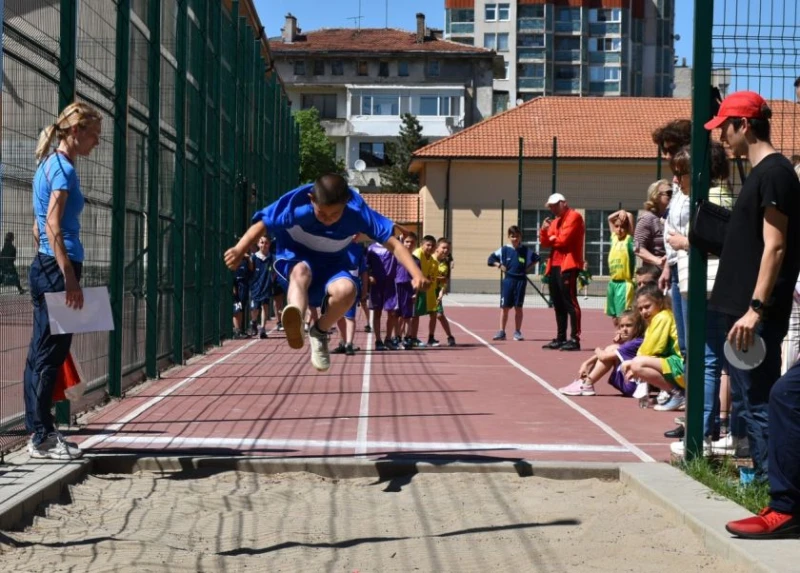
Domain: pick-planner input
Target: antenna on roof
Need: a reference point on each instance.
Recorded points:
(387, 14)
(357, 19)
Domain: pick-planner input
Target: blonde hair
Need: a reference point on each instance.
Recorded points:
(76, 114)
(797, 169)
(652, 195)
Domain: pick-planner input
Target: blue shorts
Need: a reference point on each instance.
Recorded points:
(322, 274)
(512, 293)
(255, 304)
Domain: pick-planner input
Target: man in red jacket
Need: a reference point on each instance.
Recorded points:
(565, 236)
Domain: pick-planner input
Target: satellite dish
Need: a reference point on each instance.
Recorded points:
(360, 165)
(520, 101)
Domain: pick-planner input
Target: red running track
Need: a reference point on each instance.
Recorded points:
(479, 399)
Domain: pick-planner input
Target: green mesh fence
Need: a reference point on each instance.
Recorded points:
(197, 140)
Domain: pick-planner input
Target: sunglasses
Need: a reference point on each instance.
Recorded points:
(666, 193)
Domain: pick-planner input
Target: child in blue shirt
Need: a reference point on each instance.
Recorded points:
(515, 260)
(260, 287)
(313, 226)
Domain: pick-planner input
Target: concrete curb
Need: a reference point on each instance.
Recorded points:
(706, 514)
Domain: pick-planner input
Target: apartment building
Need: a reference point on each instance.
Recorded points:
(362, 80)
(570, 47)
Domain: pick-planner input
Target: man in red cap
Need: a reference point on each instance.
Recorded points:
(565, 236)
(757, 272)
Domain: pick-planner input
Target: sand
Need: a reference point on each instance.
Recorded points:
(233, 521)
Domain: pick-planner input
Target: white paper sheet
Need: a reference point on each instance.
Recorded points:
(95, 316)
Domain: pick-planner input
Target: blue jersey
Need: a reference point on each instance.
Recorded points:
(516, 261)
(56, 173)
(300, 236)
(357, 262)
(261, 280)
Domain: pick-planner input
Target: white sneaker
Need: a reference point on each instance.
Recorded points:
(679, 448)
(318, 341)
(724, 446)
(663, 397)
(641, 391)
(292, 320)
(54, 447)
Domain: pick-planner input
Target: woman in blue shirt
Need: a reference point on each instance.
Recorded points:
(57, 206)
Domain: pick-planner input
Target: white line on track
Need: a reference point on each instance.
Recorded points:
(585, 413)
(135, 413)
(278, 443)
(363, 410)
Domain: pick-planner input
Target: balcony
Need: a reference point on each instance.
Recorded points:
(567, 56)
(605, 57)
(568, 27)
(570, 86)
(530, 53)
(338, 127)
(605, 28)
(458, 28)
(603, 88)
(531, 83)
(530, 24)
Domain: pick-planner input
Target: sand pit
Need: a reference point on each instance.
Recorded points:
(235, 521)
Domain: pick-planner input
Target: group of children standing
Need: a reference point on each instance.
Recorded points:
(254, 287)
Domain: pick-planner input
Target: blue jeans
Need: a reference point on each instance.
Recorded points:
(715, 339)
(678, 308)
(47, 352)
(750, 390)
(784, 446)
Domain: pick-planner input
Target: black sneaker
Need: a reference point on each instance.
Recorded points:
(262, 334)
(390, 344)
(571, 345)
(451, 341)
(340, 349)
(349, 350)
(678, 433)
(379, 346)
(432, 341)
(367, 328)
(554, 344)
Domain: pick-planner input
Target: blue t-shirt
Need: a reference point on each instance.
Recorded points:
(56, 173)
(356, 261)
(300, 236)
(260, 281)
(514, 260)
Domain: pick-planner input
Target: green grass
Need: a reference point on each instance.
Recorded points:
(722, 477)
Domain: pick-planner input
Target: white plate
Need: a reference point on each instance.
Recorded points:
(746, 359)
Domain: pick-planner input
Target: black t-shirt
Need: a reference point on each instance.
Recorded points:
(772, 183)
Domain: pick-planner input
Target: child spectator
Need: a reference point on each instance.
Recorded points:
(260, 287)
(515, 260)
(658, 361)
(382, 268)
(241, 290)
(630, 330)
(647, 274)
(426, 299)
(405, 293)
(621, 264)
(442, 258)
(313, 226)
(347, 324)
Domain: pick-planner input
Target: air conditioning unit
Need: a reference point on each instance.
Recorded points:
(450, 121)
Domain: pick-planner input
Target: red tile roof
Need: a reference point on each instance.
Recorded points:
(399, 207)
(375, 40)
(588, 127)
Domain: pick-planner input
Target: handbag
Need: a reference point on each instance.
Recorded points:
(708, 228)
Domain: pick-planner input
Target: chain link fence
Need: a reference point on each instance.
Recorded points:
(196, 134)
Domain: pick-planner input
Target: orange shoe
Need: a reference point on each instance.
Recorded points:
(768, 524)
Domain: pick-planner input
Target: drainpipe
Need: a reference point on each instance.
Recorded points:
(446, 225)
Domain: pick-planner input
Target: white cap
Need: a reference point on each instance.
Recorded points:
(555, 198)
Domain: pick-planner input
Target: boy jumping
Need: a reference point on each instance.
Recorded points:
(313, 225)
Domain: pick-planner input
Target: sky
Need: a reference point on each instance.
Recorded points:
(767, 64)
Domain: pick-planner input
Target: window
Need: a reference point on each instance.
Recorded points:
(429, 105)
(402, 68)
(380, 105)
(505, 71)
(605, 44)
(530, 11)
(568, 14)
(502, 12)
(325, 104)
(362, 68)
(491, 13)
(568, 43)
(433, 68)
(337, 68)
(499, 102)
(300, 68)
(383, 69)
(462, 15)
(434, 105)
(531, 221)
(605, 15)
(531, 40)
(530, 70)
(497, 42)
(318, 67)
(567, 72)
(465, 40)
(372, 153)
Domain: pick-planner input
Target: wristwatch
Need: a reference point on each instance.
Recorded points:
(757, 305)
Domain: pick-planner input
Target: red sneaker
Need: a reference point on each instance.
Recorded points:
(768, 524)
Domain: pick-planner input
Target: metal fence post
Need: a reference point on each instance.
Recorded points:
(66, 95)
(153, 191)
(554, 167)
(179, 184)
(199, 193)
(118, 211)
(215, 255)
(519, 182)
(696, 327)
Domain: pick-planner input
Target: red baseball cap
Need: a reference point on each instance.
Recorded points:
(738, 104)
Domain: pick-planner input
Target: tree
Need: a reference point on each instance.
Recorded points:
(395, 176)
(317, 152)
